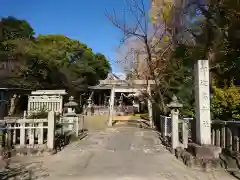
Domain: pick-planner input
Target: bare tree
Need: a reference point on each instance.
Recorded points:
(130, 56)
(149, 44)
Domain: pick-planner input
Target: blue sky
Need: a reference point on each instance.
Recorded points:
(78, 19)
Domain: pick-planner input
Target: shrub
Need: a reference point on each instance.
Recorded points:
(38, 115)
(226, 102)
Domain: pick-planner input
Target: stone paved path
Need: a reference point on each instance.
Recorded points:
(123, 153)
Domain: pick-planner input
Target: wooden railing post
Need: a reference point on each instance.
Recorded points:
(193, 130)
(40, 133)
(22, 134)
(185, 133)
(213, 134)
(9, 136)
(226, 134)
(218, 136)
(235, 139)
(165, 126)
(1, 140)
(14, 133)
(31, 134)
(229, 138)
(223, 136)
(82, 122)
(77, 125)
(51, 130)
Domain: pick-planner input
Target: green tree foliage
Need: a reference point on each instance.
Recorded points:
(180, 79)
(12, 28)
(75, 60)
(216, 34)
(48, 61)
(213, 33)
(226, 103)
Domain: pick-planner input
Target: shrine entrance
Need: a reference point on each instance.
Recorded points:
(123, 98)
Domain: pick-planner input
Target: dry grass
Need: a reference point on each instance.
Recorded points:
(95, 122)
(98, 122)
(123, 118)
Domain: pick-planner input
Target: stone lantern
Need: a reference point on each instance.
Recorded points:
(71, 106)
(174, 105)
(71, 117)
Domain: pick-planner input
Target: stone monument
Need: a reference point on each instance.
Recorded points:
(121, 110)
(13, 104)
(90, 108)
(202, 100)
(203, 149)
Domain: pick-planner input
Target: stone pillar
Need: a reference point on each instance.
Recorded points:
(202, 100)
(150, 110)
(174, 121)
(174, 105)
(51, 130)
(111, 106)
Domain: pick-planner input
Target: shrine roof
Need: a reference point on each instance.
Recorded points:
(49, 92)
(99, 87)
(109, 86)
(114, 80)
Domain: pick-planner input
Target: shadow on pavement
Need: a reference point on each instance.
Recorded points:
(27, 171)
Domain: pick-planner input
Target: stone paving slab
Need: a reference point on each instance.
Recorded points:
(123, 153)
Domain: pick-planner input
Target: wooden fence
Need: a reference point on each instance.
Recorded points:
(39, 133)
(226, 134)
(29, 132)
